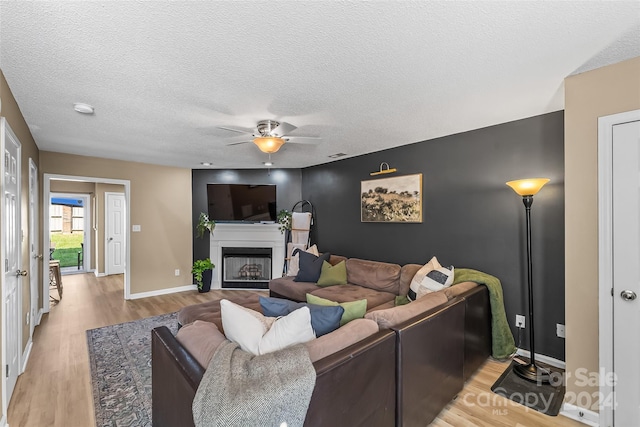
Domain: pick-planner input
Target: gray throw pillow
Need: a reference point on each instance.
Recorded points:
(310, 266)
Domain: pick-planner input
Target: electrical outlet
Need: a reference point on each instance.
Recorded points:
(519, 321)
(177, 272)
(560, 330)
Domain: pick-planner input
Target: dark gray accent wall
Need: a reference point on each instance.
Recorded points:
(470, 217)
(288, 191)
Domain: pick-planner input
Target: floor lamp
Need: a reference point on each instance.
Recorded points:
(527, 188)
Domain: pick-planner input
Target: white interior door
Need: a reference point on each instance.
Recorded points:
(626, 272)
(114, 233)
(11, 239)
(34, 247)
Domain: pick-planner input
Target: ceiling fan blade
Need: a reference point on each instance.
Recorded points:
(283, 129)
(237, 129)
(238, 143)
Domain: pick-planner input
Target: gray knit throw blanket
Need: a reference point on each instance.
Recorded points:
(239, 389)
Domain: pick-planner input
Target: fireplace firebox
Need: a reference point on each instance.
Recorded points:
(246, 267)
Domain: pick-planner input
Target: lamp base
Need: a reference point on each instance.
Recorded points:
(532, 372)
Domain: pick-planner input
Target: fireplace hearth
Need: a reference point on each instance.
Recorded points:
(246, 267)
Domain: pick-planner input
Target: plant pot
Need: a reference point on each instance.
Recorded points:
(206, 281)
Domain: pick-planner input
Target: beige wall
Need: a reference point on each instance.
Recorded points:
(99, 236)
(11, 111)
(160, 204)
(601, 92)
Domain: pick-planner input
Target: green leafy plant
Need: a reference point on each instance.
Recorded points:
(284, 219)
(199, 267)
(204, 224)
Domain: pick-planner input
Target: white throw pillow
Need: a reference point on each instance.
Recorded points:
(294, 328)
(294, 260)
(243, 326)
(431, 277)
(249, 329)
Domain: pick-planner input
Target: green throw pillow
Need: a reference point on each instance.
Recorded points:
(402, 300)
(333, 274)
(352, 310)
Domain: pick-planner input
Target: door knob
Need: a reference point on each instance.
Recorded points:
(628, 295)
(37, 256)
(110, 238)
(21, 272)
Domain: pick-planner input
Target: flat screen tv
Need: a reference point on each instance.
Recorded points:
(241, 202)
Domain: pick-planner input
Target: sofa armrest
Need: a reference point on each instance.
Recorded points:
(477, 329)
(175, 378)
(356, 386)
(430, 355)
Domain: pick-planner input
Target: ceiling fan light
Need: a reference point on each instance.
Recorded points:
(269, 144)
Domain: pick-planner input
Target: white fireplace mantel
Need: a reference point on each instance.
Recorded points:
(229, 235)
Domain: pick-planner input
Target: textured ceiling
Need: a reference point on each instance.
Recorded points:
(363, 76)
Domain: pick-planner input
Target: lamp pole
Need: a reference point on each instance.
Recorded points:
(527, 188)
(530, 371)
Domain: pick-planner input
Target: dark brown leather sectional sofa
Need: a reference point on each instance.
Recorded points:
(401, 376)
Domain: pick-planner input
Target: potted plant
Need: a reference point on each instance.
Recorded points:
(204, 224)
(284, 219)
(202, 271)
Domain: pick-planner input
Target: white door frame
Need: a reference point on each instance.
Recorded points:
(34, 238)
(605, 254)
(86, 202)
(107, 194)
(127, 194)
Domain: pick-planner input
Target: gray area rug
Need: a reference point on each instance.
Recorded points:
(120, 360)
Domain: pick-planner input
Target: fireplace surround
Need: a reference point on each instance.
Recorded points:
(249, 244)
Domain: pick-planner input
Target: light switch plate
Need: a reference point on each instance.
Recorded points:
(135, 228)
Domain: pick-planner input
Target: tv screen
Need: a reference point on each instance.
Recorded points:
(241, 202)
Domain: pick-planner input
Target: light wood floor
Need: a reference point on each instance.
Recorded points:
(55, 389)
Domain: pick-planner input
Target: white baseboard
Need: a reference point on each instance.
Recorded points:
(25, 355)
(3, 421)
(544, 359)
(585, 416)
(98, 274)
(163, 292)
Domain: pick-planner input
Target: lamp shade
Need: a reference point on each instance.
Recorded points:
(269, 144)
(528, 186)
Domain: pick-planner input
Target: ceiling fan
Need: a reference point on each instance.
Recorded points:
(270, 135)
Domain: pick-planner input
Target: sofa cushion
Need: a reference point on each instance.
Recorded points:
(406, 275)
(291, 289)
(324, 319)
(341, 338)
(334, 259)
(347, 293)
(352, 310)
(460, 288)
(210, 311)
(331, 275)
(380, 276)
(310, 266)
(201, 339)
(258, 334)
(394, 316)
